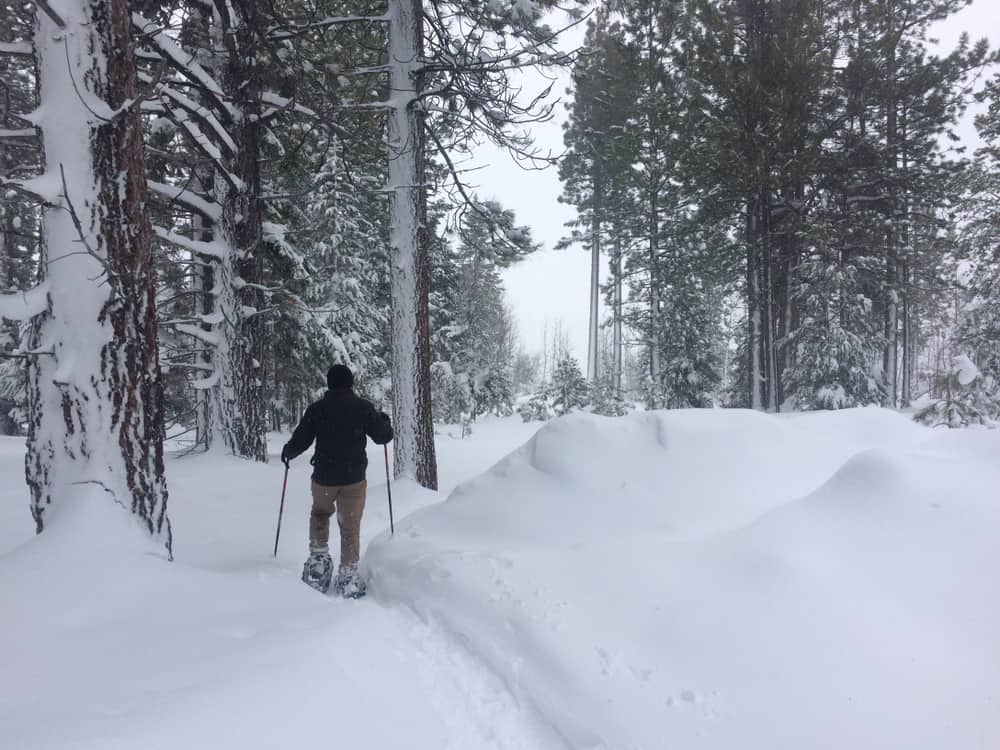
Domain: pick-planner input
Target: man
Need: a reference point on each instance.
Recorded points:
(340, 423)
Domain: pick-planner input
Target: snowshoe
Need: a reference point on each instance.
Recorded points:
(318, 571)
(350, 586)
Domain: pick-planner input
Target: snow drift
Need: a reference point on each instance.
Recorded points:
(721, 579)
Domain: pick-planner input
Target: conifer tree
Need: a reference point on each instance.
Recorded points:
(94, 392)
(570, 389)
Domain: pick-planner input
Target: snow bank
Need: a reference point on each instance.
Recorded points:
(721, 579)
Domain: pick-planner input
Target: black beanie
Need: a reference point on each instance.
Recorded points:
(339, 376)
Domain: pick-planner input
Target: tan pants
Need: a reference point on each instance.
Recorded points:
(348, 502)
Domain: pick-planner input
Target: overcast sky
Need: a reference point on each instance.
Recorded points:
(553, 285)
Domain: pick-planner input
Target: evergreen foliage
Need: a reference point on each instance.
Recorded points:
(794, 160)
(570, 390)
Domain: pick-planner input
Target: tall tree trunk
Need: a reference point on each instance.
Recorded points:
(241, 408)
(655, 292)
(653, 219)
(95, 396)
(616, 337)
(761, 311)
(773, 375)
(199, 30)
(204, 284)
(755, 363)
(906, 387)
(409, 277)
(593, 356)
(890, 358)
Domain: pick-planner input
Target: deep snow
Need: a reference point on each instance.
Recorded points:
(692, 579)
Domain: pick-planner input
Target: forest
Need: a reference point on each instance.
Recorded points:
(205, 204)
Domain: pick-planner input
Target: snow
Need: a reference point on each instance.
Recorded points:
(965, 369)
(207, 208)
(24, 305)
(15, 48)
(692, 579)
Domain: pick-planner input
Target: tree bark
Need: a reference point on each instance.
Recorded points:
(409, 276)
(617, 331)
(593, 356)
(241, 406)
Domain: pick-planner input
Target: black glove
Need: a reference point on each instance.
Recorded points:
(384, 416)
(285, 458)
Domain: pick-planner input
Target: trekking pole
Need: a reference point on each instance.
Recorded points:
(388, 489)
(281, 510)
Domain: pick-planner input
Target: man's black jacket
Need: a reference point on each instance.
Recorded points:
(338, 423)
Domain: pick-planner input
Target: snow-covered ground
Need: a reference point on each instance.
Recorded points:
(692, 579)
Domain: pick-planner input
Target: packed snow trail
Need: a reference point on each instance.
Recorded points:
(707, 580)
(225, 647)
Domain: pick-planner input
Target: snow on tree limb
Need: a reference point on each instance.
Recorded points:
(211, 249)
(292, 30)
(187, 198)
(204, 144)
(24, 305)
(44, 188)
(283, 104)
(16, 48)
(47, 9)
(181, 60)
(201, 113)
(212, 338)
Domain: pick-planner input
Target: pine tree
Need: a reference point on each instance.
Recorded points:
(977, 331)
(94, 392)
(570, 389)
(19, 215)
(225, 121)
(901, 103)
(473, 344)
(600, 151)
(760, 73)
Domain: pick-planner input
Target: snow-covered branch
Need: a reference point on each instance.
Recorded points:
(19, 133)
(24, 305)
(47, 9)
(292, 30)
(201, 113)
(281, 104)
(187, 198)
(210, 249)
(16, 48)
(203, 143)
(181, 60)
(36, 189)
(211, 338)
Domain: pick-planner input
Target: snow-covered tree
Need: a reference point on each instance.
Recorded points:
(473, 342)
(975, 325)
(967, 398)
(95, 430)
(538, 408)
(570, 389)
(19, 241)
(601, 148)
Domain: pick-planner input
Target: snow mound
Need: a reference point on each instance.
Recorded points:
(720, 579)
(867, 475)
(866, 425)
